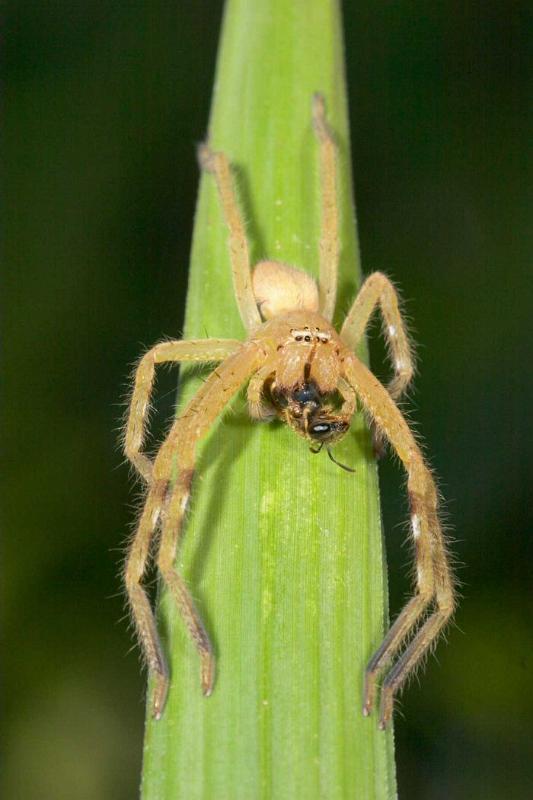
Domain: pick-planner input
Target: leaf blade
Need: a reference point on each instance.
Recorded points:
(283, 550)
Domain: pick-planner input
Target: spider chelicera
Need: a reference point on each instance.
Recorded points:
(301, 370)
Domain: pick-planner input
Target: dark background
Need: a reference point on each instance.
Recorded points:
(104, 103)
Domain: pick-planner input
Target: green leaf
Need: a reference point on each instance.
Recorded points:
(283, 550)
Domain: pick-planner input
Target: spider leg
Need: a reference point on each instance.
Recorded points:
(412, 655)
(349, 404)
(172, 526)
(138, 599)
(218, 164)
(377, 290)
(434, 579)
(180, 444)
(329, 235)
(194, 350)
(257, 406)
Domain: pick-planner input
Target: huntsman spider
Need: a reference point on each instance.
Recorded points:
(300, 370)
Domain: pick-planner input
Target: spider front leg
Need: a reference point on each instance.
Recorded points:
(376, 291)
(329, 245)
(219, 166)
(169, 502)
(201, 350)
(434, 579)
(258, 407)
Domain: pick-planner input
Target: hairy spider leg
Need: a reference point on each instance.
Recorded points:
(434, 583)
(257, 407)
(200, 350)
(219, 166)
(377, 290)
(143, 616)
(188, 429)
(329, 244)
(173, 351)
(349, 398)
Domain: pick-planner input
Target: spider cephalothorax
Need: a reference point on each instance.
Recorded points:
(303, 385)
(301, 370)
(306, 390)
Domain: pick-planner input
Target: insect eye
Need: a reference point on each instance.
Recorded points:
(307, 394)
(320, 429)
(307, 338)
(298, 338)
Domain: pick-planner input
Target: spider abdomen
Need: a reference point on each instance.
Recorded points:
(279, 288)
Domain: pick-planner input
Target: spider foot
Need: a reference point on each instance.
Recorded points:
(207, 673)
(318, 109)
(387, 707)
(369, 694)
(159, 695)
(206, 157)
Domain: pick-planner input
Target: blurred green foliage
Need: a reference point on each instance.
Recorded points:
(103, 105)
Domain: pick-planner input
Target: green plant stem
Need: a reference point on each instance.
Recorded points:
(283, 550)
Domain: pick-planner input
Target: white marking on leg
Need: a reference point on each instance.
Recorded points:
(392, 330)
(415, 522)
(420, 576)
(399, 364)
(184, 501)
(155, 517)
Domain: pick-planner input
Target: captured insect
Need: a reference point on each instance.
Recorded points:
(300, 370)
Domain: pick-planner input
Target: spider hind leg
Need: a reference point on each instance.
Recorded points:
(142, 613)
(434, 579)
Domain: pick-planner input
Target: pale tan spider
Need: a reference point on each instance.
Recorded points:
(300, 370)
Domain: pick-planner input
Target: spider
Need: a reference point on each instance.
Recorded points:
(300, 370)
